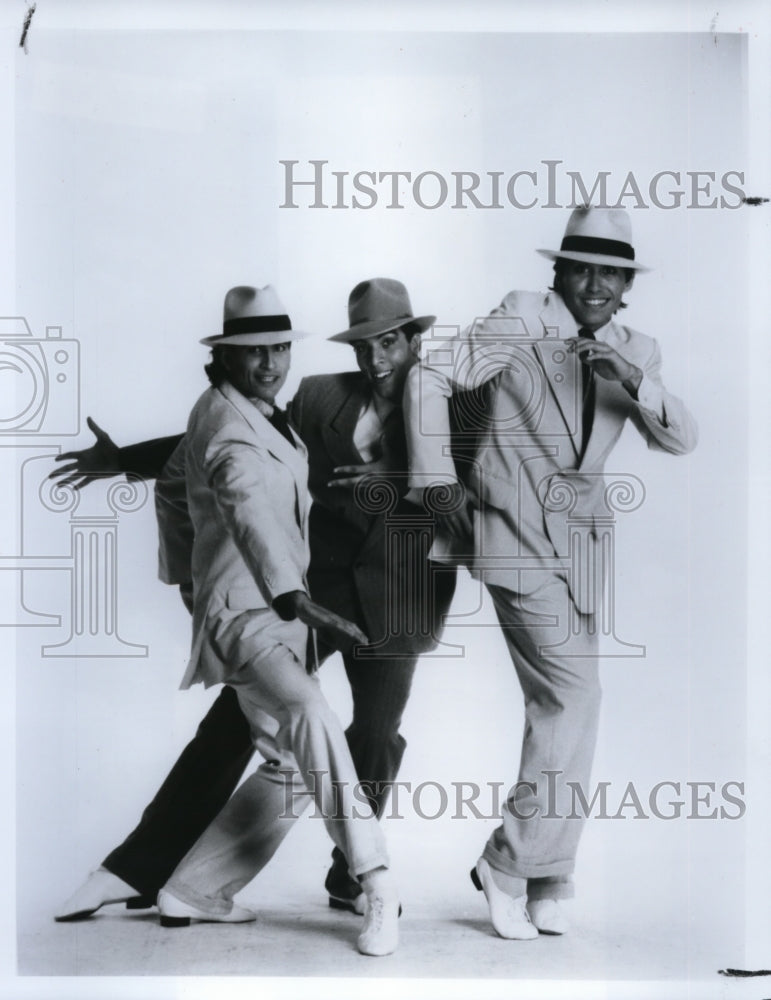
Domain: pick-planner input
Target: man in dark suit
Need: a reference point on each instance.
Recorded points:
(352, 426)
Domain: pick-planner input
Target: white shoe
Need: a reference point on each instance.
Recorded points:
(380, 934)
(548, 916)
(175, 913)
(100, 888)
(508, 914)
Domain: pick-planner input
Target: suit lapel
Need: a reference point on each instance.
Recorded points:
(561, 367)
(339, 429)
(294, 458)
(611, 403)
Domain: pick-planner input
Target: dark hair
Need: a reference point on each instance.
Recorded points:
(410, 329)
(216, 372)
(560, 265)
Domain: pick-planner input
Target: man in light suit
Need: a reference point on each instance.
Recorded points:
(247, 496)
(351, 423)
(561, 378)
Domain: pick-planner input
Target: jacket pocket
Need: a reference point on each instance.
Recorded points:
(244, 599)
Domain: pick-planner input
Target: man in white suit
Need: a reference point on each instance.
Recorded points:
(561, 377)
(248, 500)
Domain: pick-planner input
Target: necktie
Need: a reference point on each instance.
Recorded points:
(279, 421)
(392, 440)
(587, 395)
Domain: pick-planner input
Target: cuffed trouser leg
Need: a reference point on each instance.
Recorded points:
(380, 689)
(539, 835)
(242, 839)
(307, 758)
(195, 790)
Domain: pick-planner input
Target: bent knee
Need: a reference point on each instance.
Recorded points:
(309, 709)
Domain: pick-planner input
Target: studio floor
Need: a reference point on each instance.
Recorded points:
(444, 931)
(660, 903)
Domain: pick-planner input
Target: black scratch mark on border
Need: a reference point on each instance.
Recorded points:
(742, 973)
(25, 28)
(754, 201)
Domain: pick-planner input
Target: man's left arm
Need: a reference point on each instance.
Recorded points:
(662, 418)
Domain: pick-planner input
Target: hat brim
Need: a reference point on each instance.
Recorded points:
(594, 258)
(375, 327)
(266, 338)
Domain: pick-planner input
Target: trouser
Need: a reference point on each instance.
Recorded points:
(306, 756)
(380, 689)
(197, 787)
(211, 765)
(537, 841)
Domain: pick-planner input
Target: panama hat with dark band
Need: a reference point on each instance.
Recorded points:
(253, 317)
(598, 236)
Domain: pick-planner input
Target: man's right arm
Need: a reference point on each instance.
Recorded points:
(461, 363)
(104, 459)
(147, 458)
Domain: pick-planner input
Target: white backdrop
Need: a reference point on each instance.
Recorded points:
(148, 181)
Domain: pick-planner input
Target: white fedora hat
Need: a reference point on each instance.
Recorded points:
(254, 316)
(598, 236)
(376, 306)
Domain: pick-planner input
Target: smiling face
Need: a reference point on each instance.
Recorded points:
(385, 360)
(257, 372)
(592, 292)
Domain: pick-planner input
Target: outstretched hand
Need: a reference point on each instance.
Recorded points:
(99, 461)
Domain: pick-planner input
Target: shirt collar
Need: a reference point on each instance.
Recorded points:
(265, 408)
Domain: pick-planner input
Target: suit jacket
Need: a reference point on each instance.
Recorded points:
(532, 470)
(362, 565)
(397, 596)
(248, 502)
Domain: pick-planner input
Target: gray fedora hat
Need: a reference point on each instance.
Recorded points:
(376, 306)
